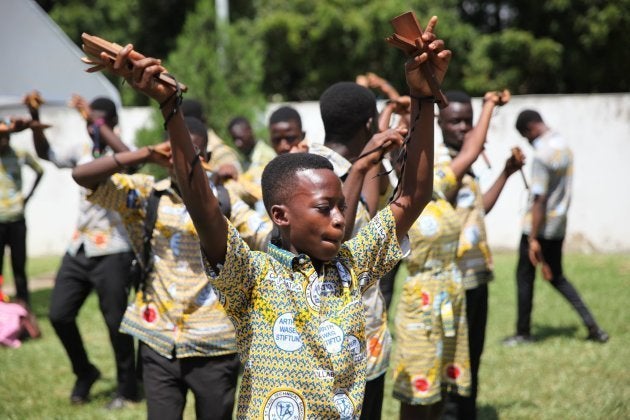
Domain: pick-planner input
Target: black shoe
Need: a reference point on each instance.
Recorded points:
(119, 402)
(517, 340)
(81, 391)
(597, 335)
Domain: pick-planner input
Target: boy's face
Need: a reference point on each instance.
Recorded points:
(315, 214)
(455, 121)
(243, 138)
(284, 135)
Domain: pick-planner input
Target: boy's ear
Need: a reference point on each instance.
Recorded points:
(279, 215)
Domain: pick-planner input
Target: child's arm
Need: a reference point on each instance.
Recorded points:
(106, 132)
(39, 172)
(201, 203)
(369, 160)
(417, 180)
(91, 174)
(476, 138)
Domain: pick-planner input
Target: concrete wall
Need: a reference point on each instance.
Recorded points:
(597, 126)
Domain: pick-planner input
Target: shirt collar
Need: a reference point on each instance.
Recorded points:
(287, 258)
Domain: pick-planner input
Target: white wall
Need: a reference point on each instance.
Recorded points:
(597, 126)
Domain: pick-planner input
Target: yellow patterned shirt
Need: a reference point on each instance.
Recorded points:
(221, 153)
(473, 253)
(431, 331)
(301, 335)
(179, 314)
(11, 197)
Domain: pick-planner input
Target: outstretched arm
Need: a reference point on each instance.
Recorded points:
(95, 122)
(475, 138)
(39, 172)
(368, 162)
(91, 174)
(417, 179)
(201, 203)
(490, 197)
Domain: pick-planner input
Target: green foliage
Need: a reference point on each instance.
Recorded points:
(294, 50)
(515, 60)
(223, 67)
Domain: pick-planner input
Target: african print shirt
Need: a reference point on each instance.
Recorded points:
(552, 173)
(301, 335)
(221, 153)
(378, 336)
(247, 187)
(179, 314)
(432, 337)
(11, 197)
(99, 231)
(473, 253)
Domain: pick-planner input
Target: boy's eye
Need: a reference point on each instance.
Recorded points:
(323, 209)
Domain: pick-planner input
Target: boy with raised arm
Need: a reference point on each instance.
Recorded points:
(186, 340)
(303, 349)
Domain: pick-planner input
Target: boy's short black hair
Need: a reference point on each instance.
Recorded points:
(346, 107)
(237, 121)
(107, 106)
(284, 114)
(193, 108)
(458, 96)
(279, 175)
(525, 117)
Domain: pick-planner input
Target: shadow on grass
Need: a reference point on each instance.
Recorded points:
(40, 302)
(487, 412)
(543, 333)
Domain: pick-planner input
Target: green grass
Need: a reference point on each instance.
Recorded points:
(559, 377)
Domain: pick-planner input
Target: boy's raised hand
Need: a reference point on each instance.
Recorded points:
(140, 72)
(378, 146)
(437, 56)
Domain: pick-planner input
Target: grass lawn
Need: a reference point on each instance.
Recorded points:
(561, 376)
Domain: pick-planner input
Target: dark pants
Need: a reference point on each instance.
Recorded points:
(109, 275)
(457, 406)
(13, 235)
(525, 274)
(167, 381)
(373, 399)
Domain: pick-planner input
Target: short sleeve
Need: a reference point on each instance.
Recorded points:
(237, 277)
(375, 250)
(540, 177)
(123, 193)
(444, 180)
(252, 227)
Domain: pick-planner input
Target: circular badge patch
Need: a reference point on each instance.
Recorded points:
(285, 334)
(344, 404)
(332, 336)
(313, 292)
(284, 405)
(354, 345)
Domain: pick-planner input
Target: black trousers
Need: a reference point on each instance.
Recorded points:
(109, 276)
(167, 381)
(13, 235)
(457, 406)
(525, 274)
(373, 399)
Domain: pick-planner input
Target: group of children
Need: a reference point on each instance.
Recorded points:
(276, 263)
